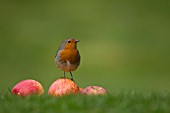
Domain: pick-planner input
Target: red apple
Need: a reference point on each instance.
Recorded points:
(63, 86)
(94, 90)
(28, 87)
(81, 90)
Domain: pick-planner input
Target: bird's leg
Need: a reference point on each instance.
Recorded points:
(64, 75)
(71, 76)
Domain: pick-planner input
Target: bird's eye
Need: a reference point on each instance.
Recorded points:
(69, 41)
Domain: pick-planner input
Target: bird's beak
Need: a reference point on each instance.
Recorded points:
(77, 41)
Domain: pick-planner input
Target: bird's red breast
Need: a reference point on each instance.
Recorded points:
(70, 55)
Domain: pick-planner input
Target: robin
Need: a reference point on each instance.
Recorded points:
(68, 57)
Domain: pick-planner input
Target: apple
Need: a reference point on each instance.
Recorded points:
(94, 90)
(28, 87)
(63, 86)
(81, 90)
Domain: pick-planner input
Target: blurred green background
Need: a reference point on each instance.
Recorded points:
(124, 45)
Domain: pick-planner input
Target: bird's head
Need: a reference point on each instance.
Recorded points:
(71, 43)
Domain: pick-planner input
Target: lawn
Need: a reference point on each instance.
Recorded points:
(124, 102)
(124, 45)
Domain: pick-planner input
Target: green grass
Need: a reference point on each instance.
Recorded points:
(123, 44)
(124, 102)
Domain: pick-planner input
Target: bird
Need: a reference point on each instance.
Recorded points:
(67, 57)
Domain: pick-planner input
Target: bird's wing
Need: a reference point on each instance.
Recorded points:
(61, 46)
(78, 59)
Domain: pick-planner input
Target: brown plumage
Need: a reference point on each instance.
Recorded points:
(68, 57)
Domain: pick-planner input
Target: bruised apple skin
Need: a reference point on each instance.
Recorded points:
(94, 90)
(28, 87)
(63, 86)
